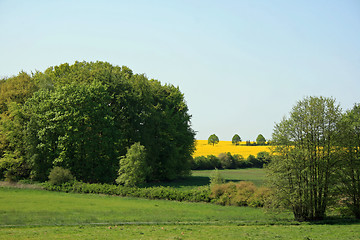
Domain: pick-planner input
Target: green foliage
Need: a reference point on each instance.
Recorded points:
(132, 166)
(236, 139)
(199, 194)
(227, 161)
(84, 117)
(305, 158)
(349, 171)
(213, 139)
(260, 140)
(239, 194)
(216, 178)
(59, 176)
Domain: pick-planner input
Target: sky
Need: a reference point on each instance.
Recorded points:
(241, 65)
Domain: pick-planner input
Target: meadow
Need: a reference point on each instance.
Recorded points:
(38, 214)
(204, 149)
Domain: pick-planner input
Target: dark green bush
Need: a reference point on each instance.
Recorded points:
(59, 175)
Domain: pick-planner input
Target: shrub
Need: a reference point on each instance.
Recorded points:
(59, 175)
(239, 194)
(132, 166)
(227, 161)
(254, 161)
(263, 157)
(216, 178)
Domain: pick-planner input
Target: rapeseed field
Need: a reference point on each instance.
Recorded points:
(204, 149)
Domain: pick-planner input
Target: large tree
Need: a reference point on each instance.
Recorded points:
(95, 96)
(72, 127)
(349, 169)
(302, 170)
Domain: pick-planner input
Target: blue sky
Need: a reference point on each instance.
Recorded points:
(242, 65)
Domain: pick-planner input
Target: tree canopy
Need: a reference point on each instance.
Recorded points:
(213, 139)
(305, 159)
(236, 139)
(260, 140)
(84, 117)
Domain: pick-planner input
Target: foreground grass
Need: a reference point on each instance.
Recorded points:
(25, 207)
(326, 232)
(38, 214)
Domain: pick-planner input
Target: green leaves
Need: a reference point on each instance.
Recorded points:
(213, 139)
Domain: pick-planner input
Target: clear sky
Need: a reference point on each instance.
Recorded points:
(242, 65)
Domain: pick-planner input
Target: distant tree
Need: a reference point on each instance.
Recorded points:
(236, 139)
(213, 139)
(260, 140)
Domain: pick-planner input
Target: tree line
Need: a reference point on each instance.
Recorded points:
(92, 118)
(236, 140)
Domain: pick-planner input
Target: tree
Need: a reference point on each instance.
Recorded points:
(302, 169)
(349, 169)
(133, 166)
(260, 140)
(84, 116)
(213, 139)
(72, 127)
(236, 139)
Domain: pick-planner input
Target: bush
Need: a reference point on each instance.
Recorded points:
(239, 194)
(59, 175)
(227, 161)
(216, 178)
(205, 163)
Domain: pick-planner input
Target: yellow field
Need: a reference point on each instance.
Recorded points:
(204, 149)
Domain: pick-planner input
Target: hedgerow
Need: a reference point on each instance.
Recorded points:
(199, 194)
(232, 194)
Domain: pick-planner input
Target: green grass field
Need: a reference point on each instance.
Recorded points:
(202, 177)
(39, 214)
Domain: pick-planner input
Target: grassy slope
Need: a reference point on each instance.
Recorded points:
(52, 215)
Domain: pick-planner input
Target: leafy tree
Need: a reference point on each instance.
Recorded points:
(91, 113)
(301, 172)
(260, 140)
(213, 139)
(349, 169)
(133, 166)
(236, 139)
(60, 132)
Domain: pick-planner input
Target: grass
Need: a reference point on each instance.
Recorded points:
(98, 217)
(37, 207)
(38, 214)
(202, 177)
(301, 232)
(204, 149)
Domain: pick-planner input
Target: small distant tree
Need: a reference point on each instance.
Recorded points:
(260, 140)
(213, 139)
(236, 139)
(132, 166)
(216, 178)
